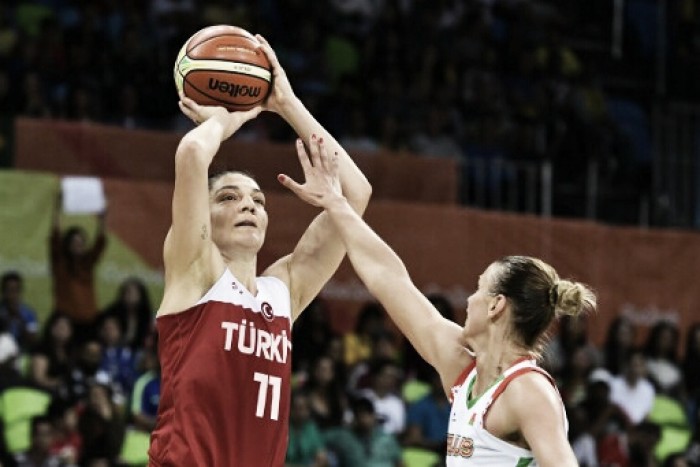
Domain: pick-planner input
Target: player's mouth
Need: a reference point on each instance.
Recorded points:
(245, 224)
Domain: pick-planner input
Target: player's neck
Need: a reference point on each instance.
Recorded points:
(495, 357)
(244, 268)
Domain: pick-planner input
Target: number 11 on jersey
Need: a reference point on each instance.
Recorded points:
(267, 382)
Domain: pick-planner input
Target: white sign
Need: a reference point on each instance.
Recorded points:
(83, 195)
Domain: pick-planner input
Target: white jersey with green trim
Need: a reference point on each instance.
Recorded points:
(468, 442)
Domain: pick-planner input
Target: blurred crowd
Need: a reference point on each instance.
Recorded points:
(80, 384)
(482, 80)
(359, 398)
(476, 81)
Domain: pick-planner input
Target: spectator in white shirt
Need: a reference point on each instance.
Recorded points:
(389, 407)
(632, 390)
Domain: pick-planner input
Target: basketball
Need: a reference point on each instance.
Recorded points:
(221, 65)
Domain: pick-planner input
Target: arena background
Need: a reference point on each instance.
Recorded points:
(645, 274)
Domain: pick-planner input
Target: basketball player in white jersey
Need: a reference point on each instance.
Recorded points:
(506, 411)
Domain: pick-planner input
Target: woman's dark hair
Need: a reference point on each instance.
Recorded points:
(46, 337)
(370, 311)
(615, 355)
(652, 347)
(442, 305)
(144, 312)
(68, 237)
(10, 276)
(214, 176)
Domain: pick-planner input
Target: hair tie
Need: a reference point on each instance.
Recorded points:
(553, 296)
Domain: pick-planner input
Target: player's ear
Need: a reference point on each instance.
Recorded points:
(497, 305)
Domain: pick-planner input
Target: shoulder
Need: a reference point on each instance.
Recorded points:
(532, 392)
(535, 381)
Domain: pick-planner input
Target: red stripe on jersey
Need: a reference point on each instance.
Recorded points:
(504, 384)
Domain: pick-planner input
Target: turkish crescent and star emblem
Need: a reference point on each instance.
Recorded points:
(266, 311)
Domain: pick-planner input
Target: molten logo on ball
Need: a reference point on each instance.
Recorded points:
(232, 89)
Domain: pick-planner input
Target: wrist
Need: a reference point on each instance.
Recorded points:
(336, 204)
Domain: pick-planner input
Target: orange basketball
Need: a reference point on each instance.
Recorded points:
(221, 65)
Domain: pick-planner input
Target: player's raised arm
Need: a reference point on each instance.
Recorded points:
(189, 239)
(320, 251)
(437, 339)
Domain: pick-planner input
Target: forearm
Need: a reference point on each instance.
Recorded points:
(355, 186)
(372, 258)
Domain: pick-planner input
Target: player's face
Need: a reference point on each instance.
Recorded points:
(238, 214)
(478, 304)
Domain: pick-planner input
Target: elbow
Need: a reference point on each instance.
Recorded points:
(362, 196)
(366, 192)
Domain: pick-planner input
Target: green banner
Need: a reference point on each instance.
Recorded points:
(27, 200)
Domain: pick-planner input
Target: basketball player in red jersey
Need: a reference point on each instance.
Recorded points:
(224, 334)
(506, 411)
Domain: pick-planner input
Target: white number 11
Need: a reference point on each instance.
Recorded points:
(265, 382)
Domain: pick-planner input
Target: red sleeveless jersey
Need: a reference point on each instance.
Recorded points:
(226, 370)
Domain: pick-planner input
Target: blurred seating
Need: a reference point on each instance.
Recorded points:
(669, 414)
(18, 405)
(416, 457)
(134, 451)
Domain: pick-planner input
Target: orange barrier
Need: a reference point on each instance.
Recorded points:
(646, 274)
(91, 149)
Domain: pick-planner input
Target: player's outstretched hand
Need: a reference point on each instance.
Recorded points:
(322, 183)
(281, 92)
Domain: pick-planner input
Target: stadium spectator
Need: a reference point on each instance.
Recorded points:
(9, 351)
(691, 373)
(118, 360)
(662, 362)
(67, 441)
(363, 442)
(427, 419)
(306, 447)
(133, 310)
(52, 358)
(73, 264)
(19, 318)
(385, 378)
(632, 390)
(146, 394)
(101, 425)
(619, 344)
(326, 395)
(39, 452)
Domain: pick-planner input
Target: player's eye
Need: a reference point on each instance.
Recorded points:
(259, 201)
